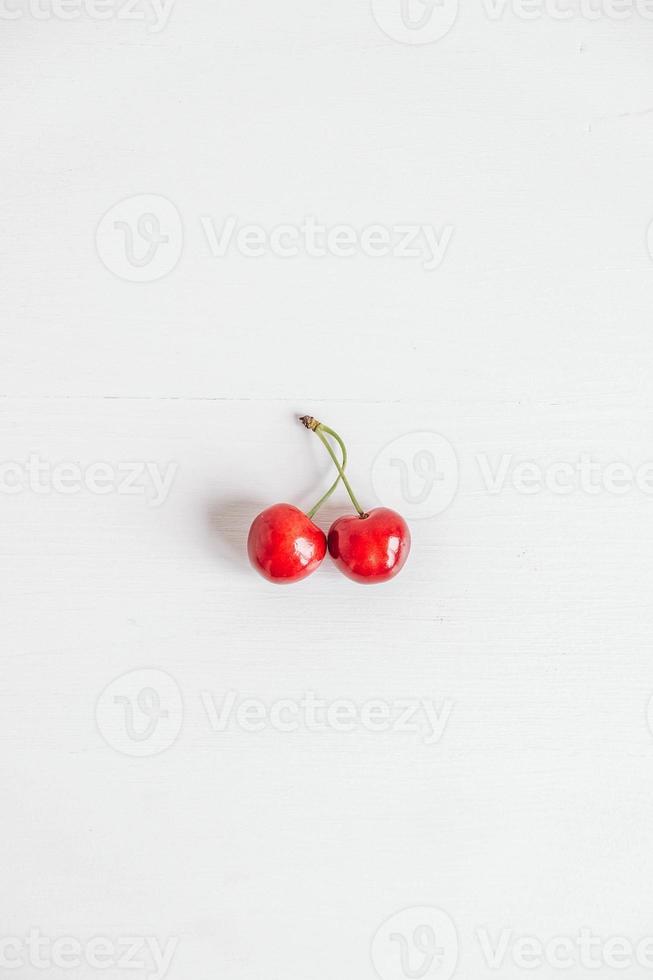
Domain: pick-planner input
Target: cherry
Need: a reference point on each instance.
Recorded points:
(284, 544)
(366, 547)
(372, 547)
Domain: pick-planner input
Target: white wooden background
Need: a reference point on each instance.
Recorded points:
(525, 618)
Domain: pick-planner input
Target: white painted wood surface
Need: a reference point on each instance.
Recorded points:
(523, 619)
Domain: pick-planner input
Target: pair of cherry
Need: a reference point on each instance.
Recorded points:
(285, 545)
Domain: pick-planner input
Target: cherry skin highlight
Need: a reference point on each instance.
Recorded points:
(284, 545)
(371, 548)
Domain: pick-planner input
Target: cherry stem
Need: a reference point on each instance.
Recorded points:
(320, 429)
(323, 499)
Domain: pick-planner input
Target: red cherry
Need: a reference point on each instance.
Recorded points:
(284, 544)
(370, 548)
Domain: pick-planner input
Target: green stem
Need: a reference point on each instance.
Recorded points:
(319, 432)
(319, 429)
(311, 513)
